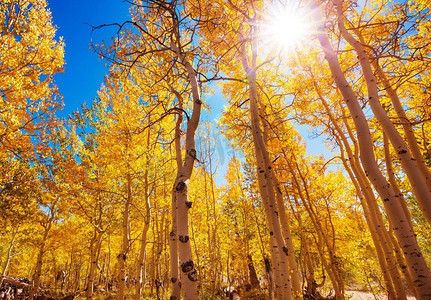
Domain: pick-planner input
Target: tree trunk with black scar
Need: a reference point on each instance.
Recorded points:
(270, 277)
(372, 228)
(402, 116)
(122, 257)
(414, 173)
(283, 219)
(415, 261)
(294, 272)
(173, 241)
(146, 227)
(398, 251)
(372, 213)
(279, 251)
(181, 202)
(406, 124)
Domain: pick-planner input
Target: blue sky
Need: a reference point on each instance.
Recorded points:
(84, 71)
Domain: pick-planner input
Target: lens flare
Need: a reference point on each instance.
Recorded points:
(285, 27)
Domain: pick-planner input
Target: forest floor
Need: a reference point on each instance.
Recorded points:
(359, 295)
(17, 288)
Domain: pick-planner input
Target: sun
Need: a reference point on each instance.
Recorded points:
(285, 27)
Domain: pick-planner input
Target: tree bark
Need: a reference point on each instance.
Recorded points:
(322, 238)
(372, 214)
(96, 243)
(122, 257)
(266, 186)
(9, 254)
(417, 179)
(146, 227)
(38, 267)
(402, 117)
(173, 241)
(182, 204)
(405, 235)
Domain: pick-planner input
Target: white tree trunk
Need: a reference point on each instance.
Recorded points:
(405, 235)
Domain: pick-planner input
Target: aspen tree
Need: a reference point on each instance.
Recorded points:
(173, 240)
(266, 187)
(9, 254)
(410, 167)
(95, 246)
(126, 238)
(284, 222)
(47, 225)
(182, 204)
(405, 235)
(322, 239)
(374, 219)
(392, 180)
(146, 226)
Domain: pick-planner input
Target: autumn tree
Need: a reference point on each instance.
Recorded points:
(30, 56)
(401, 227)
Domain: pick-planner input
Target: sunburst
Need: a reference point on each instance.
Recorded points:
(286, 26)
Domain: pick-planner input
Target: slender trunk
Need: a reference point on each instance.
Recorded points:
(76, 283)
(173, 246)
(147, 218)
(122, 257)
(215, 243)
(266, 186)
(152, 272)
(402, 264)
(311, 290)
(211, 270)
(195, 249)
(308, 266)
(182, 203)
(159, 240)
(376, 219)
(381, 257)
(279, 250)
(403, 118)
(108, 280)
(270, 275)
(406, 124)
(69, 273)
(284, 222)
(405, 235)
(294, 272)
(322, 239)
(173, 241)
(276, 268)
(408, 163)
(394, 183)
(96, 244)
(38, 267)
(9, 254)
(371, 212)
(90, 278)
(141, 263)
(101, 278)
